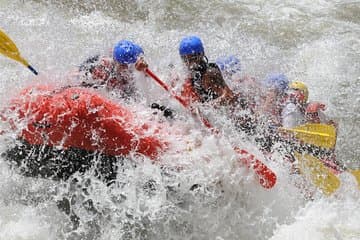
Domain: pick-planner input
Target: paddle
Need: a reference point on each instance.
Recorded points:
(9, 49)
(267, 177)
(320, 175)
(321, 135)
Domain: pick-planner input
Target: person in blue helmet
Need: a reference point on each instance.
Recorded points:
(269, 114)
(245, 86)
(246, 90)
(276, 86)
(230, 66)
(116, 73)
(204, 82)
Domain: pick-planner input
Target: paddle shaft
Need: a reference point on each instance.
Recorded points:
(32, 70)
(267, 178)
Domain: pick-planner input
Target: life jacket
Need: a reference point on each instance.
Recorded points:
(97, 70)
(101, 72)
(193, 90)
(188, 93)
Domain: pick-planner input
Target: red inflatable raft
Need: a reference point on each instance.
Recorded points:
(76, 117)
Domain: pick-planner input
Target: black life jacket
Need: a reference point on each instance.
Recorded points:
(197, 78)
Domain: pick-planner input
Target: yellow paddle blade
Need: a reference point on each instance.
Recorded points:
(9, 49)
(319, 174)
(322, 135)
(356, 174)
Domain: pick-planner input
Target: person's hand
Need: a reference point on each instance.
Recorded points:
(141, 64)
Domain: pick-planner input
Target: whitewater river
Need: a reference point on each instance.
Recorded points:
(316, 41)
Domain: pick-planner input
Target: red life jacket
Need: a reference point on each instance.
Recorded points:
(188, 93)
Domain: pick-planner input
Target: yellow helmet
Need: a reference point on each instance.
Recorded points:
(297, 85)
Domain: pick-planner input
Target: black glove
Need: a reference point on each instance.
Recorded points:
(168, 113)
(155, 106)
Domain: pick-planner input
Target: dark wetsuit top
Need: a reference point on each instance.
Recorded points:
(197, 80)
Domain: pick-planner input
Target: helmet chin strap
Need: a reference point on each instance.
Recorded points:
(205, 59)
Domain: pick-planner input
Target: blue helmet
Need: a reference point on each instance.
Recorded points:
(230, 64)
(191, 45)
(278, 81)
(126, 52)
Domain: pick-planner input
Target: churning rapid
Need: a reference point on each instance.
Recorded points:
(316, 42)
